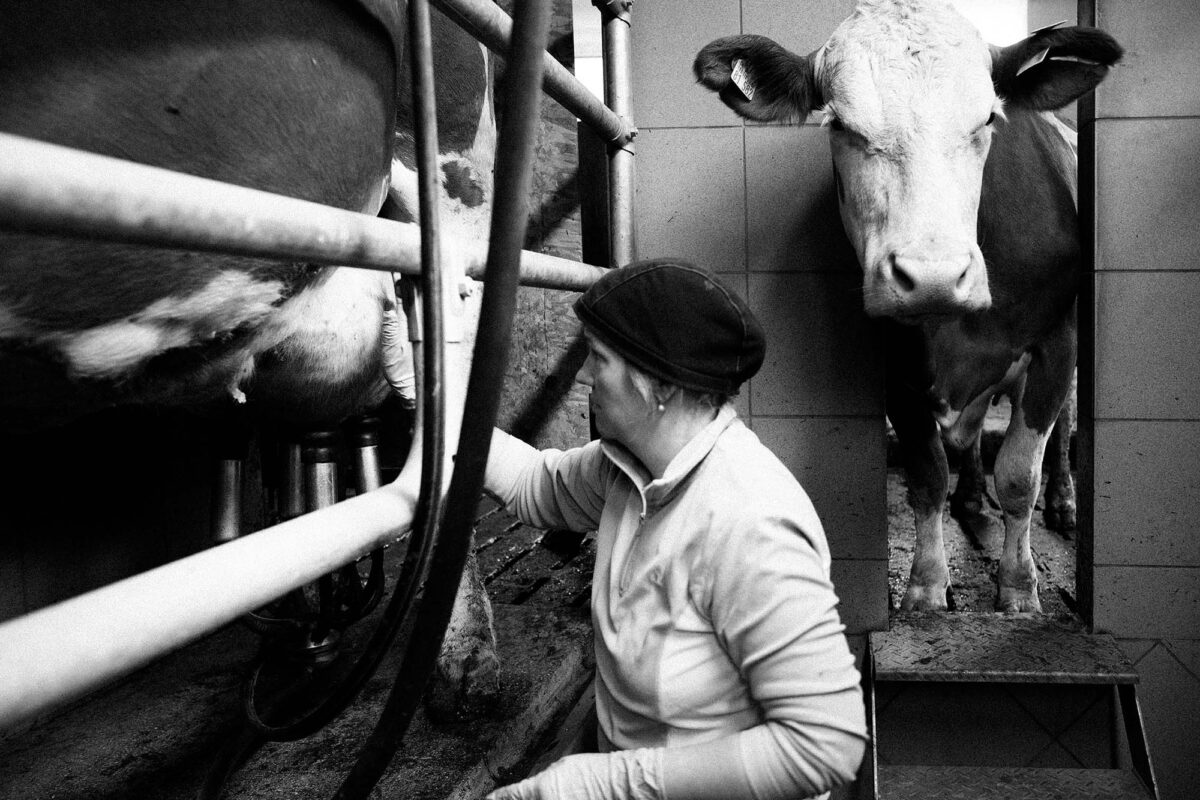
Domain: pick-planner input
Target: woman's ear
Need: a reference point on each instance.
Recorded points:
(663, 392)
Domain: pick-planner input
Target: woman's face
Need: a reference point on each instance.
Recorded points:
(619, 410)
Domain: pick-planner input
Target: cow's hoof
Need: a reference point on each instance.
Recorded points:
(464, 688)
(1060, 517)
(966, 506)
(1017, 601)
(925, 598)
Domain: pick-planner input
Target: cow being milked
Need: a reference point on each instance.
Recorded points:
(300, 99)
(957, 190)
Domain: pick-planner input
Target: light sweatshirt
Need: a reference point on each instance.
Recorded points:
(717, 635)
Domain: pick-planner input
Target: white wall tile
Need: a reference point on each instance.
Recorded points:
(792, 219)
(823, 353)
(666, 35)
(1147, 602)
(1161, 67)
(1147, 345)
(840, 463)
(1148, 194)
(1147, 481)
(690, 196)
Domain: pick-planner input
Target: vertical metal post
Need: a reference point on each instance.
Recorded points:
(232, 449)
(618, 95)
(320, 470)
(364, 434)
(292, 503)
(227, 501)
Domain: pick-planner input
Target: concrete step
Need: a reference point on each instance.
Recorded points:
(996, 648)
(1007, 783)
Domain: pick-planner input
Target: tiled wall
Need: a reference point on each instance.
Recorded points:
(755, 203)
(1142, 306)
(751, 201)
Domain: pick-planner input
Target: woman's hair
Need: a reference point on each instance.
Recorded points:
(645, 384)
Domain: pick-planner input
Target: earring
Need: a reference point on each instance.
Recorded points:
(661, 408)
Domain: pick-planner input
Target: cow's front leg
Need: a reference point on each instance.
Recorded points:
(929, 579)
(466, 682)
(928, 476)
(1018, 477)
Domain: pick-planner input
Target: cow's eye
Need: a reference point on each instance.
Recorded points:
(836, 124)
(991, 118)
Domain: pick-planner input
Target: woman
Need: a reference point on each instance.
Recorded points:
(722, 668)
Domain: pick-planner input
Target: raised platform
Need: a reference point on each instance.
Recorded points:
(986, 705)
(996, 648)
(1005, 783)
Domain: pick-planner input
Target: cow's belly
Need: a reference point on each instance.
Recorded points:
(294, 98)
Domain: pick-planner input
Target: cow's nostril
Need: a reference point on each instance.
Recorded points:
(961, 283)
(902, 276)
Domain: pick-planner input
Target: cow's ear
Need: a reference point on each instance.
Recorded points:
(758, 78)
(1053, 67)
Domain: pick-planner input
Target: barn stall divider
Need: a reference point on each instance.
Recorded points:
(59, 653)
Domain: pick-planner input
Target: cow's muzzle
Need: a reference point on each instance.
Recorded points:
(911, 283)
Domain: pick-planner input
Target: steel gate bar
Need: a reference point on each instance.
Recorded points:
(47, 188)
(618, 94)
(47, 656)
(488, 23)
(60, 652)
(514, 178)
(611, 119)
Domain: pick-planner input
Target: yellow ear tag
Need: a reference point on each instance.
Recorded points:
(741, 78)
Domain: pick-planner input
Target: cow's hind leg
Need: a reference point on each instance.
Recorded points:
(1060, 507)
(466, 682)
(970, 490)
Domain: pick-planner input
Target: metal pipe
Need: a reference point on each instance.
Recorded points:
(46, 188)
(439, 300)
(59, 653)
(489, 24)
(618, 94)
(56, 654)
(514, 178)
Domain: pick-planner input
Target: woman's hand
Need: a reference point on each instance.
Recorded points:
(398, 356)
(622, 775)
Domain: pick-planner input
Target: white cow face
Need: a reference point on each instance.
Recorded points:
(909, 113)
(910, 92)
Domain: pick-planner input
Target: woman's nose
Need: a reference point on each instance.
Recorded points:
(584, 375)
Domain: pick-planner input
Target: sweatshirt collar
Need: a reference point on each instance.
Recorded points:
(658, 492)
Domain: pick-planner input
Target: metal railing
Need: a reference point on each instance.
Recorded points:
(53, 655)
